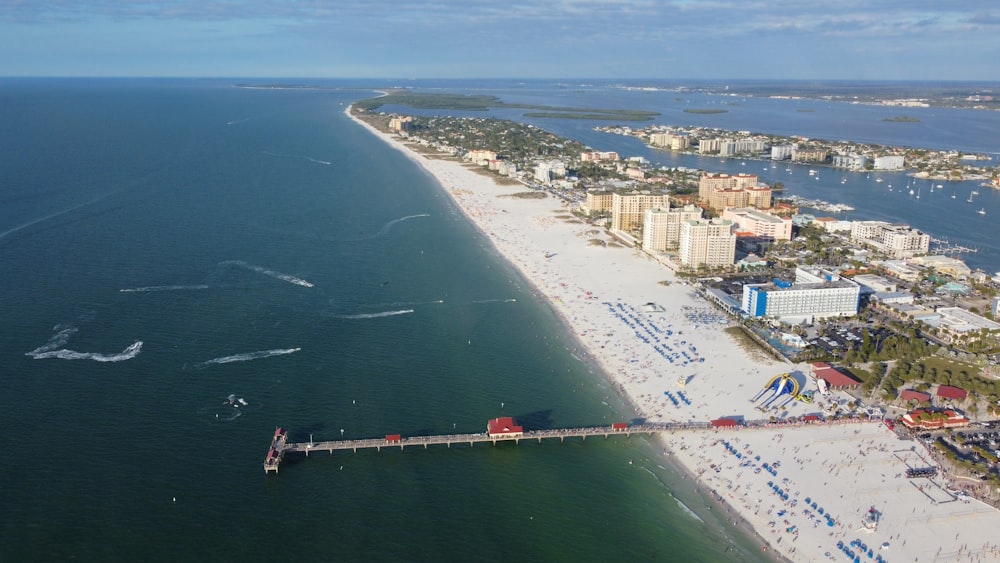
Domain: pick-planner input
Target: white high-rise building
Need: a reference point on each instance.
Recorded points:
(708, 242)
(629, 210)
(661, 229)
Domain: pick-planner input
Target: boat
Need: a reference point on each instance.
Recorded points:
(982, 211)
(975, 191)
(879, 180)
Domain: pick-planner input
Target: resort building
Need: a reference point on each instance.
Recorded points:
(401, 123)
(782, 152)
(672, 141)
(709, 146)
(741, 146)
(547, 171)
(814, 294)
(760, 223)
(597, 201)
(481, 156)
(944, 265)
(720, 191)
(897, 241)
(850, 161)
(661, 229)
(809, 155)
(629, 210)
(889, 162)
(598, 156)
(707, 242)
(832, 224)
(709, 183)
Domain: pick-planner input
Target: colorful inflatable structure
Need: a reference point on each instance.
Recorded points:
(778, 386)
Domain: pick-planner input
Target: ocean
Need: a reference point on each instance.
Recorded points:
(188, 265)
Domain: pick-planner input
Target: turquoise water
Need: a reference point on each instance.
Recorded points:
(165, 244)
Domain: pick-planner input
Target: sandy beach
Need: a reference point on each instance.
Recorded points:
(805, 490)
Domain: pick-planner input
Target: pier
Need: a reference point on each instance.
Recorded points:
(505, 430)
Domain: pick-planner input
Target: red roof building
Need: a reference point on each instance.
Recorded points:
(393, 438)
(949, 392)
(619, 426)
(833, 377)
(929, 420)
(912, 395)
(505, 427)
(810, 418)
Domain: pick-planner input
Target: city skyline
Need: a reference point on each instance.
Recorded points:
(687, 39)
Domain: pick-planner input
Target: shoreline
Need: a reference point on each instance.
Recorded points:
(662, 348)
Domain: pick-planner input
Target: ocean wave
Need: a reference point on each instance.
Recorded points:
(271, 273)
(250, 356)
(376, 315)
(54, 349)
(153, 288)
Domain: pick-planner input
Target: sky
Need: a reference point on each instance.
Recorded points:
(660, 39)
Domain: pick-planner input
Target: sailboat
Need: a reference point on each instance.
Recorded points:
(970, 197)
(918, 192)
(982, 211)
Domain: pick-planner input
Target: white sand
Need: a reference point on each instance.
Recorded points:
(601, 291)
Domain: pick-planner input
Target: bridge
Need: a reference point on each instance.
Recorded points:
(500, 430)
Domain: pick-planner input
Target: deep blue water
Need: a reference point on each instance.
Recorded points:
(167, 243)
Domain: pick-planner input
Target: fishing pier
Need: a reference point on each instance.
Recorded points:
(504, 429)
(497, 430)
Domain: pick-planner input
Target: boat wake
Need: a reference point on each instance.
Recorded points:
(385, 228)
(249, 356)
(271, 273)
(54, 348)
(376, 315)
(298, 157)
(484, 301)
(154, 288)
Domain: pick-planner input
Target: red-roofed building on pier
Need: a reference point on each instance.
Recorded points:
(504, 427)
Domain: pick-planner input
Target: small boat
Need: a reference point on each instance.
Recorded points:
(982, 211)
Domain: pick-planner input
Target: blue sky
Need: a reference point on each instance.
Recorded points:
(803, 39)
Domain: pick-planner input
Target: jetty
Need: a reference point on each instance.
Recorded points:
(504, 429)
